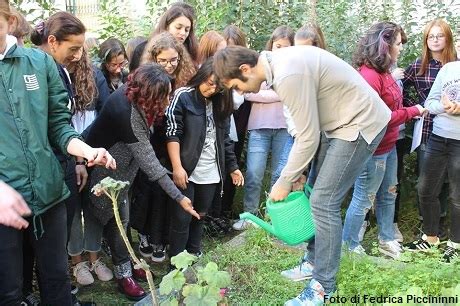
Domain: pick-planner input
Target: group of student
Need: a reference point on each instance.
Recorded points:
(174, 113)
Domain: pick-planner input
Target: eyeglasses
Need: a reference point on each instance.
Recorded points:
(437, 36)
(115, 66)
(164, 62)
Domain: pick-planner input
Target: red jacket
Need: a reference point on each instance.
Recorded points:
(391, 94)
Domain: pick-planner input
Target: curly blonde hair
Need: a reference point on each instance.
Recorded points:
(185, 69)
(82, 76)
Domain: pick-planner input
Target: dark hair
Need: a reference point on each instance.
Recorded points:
(280, 33)
(222, 102)
(227, 62)
(208, 45)
(111, 48)
(313, 32)
(108, 50)
(148, 88)
(190, 9)
(137, 56)
(374, 47)
(233, 33)
(21, 27)
(60, 25)
(168, 17)
(131, 45)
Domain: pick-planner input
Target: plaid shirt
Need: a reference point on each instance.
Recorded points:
(422, 86)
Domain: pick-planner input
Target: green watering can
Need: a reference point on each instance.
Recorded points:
(292, 221)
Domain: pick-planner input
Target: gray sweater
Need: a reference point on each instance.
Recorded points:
(322, 93)
(447, 83)
(122, 128)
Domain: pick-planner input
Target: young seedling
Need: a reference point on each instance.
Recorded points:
(207, 289)
(112, 189)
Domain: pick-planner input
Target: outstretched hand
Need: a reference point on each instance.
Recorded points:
(187, 206)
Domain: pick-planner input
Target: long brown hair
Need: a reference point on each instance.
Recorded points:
(311, 31)
(280, 33)
(208, 45)
(234, 36)
(174, 12)
(82, 76)
(185, 68)
(60, 25)
(448, 53)
(5, 9)
(21, 27)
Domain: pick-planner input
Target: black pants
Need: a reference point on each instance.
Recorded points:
(151, 210)
(225, 202)
(187, 231)
(68, 166)
(442, 159)
(50, 254)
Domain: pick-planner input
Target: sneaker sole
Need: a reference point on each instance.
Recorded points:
(145, 255)
(158, 259)
(298, 279)
(387, 253)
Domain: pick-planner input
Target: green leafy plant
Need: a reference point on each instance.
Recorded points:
(112, 188)
(206, 290)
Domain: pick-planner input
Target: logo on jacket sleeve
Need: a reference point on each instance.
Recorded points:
(31, 82)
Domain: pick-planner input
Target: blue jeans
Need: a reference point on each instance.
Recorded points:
(284, 157)
(343, 162)
(442, 160)
(261, 143)
(376, 184)
(86, 236)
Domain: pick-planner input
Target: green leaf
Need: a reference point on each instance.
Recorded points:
(213, 277)
(174, 280)
(183, 260)
(201, 295)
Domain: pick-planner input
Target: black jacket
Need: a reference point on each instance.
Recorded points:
(186, 124)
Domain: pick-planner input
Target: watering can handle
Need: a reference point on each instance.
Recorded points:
(308, 190)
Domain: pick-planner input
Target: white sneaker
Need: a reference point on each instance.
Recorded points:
(398, 235)
(241, 225)
(82, 273)
(299, 272)
(390, 248)
(362, 230)
(102, 271)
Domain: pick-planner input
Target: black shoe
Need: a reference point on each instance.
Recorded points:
(73, 289)
(145, 248)
(159, 253)
(451, 253)
(420, 245)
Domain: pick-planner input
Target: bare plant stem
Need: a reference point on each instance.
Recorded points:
(141, 263)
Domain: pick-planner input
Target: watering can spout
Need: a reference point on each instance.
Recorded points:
(266, 226)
